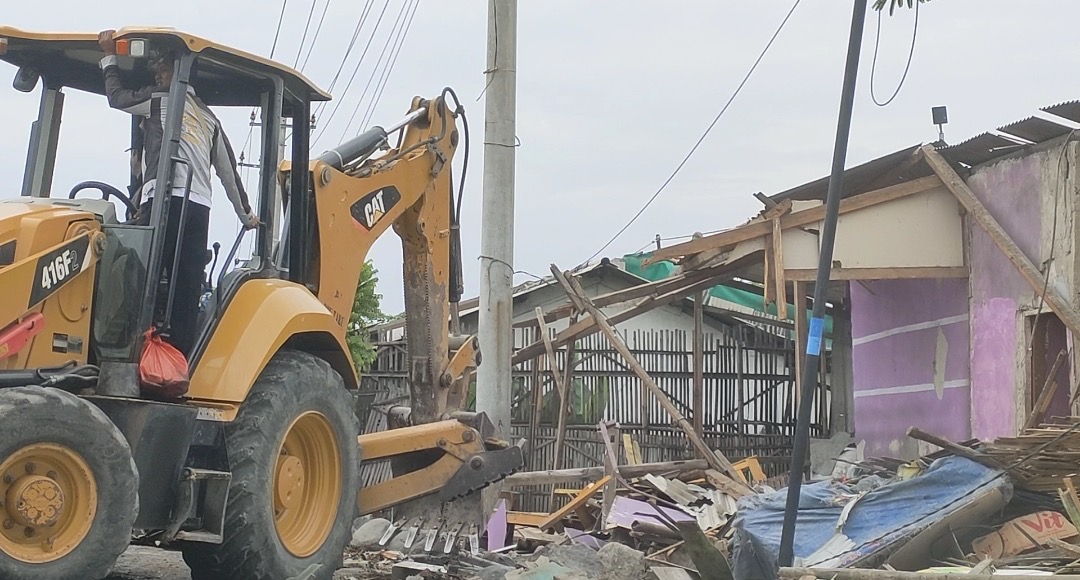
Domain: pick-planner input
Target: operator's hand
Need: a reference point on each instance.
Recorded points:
(250, 221)
(107, 42)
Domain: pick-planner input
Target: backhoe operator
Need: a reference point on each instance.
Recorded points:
(202, 144)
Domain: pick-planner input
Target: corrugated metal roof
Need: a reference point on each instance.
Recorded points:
(1035, 129)
(1068, 110)
(891, 169)
(980, 149)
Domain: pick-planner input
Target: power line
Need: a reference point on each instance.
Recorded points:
(325, 123)
(315, 38)
(911, 52)
(348, 51)
(277, 33)
(385, 80)
(303, 39)
(397, 22)
(703, 135)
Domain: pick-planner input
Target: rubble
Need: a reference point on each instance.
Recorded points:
(1008, 507)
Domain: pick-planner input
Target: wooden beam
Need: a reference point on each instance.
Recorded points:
(955, 449)
(800, 337)
(577, 501)
(800, 218)
(1001, 238)
(699, 363)
(560, 430)
(716, 460)
(566, 288)
(810, 275)
(866, 574)
(557, 476)
(778, 266)
(587, 326)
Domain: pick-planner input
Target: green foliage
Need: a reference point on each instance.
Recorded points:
(880, 4)
(365, 312)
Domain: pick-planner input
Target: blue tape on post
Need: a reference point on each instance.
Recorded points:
(813, 339)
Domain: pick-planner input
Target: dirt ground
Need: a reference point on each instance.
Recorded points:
(144, 563)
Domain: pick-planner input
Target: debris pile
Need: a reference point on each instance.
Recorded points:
(1004, 508)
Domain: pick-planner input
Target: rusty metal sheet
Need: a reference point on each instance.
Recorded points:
(1069, 110)
(1035, 129)
(980, 149)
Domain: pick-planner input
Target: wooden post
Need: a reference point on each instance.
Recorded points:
(553, 366)
(611, 433)
(537, 402)
(699, 361)
(778, 267)
(564, 403)
(800, 336)
(716, 460)
(982, 216)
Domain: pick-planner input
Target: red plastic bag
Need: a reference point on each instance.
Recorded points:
(163, 370)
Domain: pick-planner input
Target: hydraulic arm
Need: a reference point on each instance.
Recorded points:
(433, 445)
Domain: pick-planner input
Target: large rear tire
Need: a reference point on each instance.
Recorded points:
(68, 487)
(295, 473)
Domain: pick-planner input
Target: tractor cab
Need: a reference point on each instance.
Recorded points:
(130, 271)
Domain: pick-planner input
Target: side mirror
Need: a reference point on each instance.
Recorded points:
(26, 79)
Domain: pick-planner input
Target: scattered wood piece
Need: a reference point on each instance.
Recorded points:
(724, 484)
(577, 501)
(531, 519)
(1071, 550)
(753, 466)
(966, 452)
(631, 450)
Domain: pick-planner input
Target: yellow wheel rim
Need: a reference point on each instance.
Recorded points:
(48, 500)
(306, 485)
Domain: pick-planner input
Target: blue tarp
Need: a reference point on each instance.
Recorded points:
(889, 511)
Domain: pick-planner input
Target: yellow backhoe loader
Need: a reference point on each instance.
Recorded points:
(253, 473)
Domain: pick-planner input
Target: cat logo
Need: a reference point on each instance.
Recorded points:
(369, 210)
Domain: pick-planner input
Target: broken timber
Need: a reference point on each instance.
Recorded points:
(716, 460)
(556, 476)
(982, 216)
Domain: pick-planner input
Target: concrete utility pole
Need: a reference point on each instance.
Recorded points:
(497, 228)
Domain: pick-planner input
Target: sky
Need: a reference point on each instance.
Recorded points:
(610, 98)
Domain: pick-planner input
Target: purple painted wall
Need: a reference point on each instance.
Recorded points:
(910, 361)
(1010, 190)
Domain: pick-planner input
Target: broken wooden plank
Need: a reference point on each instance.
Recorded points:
(778, 266)
(557, 476)
(631, 450)
(1049, 387)
(716, 460)
(753, 466)
(579, 500)
(1001, 239)
(531, 519)
(800, 218)
(960, 450)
